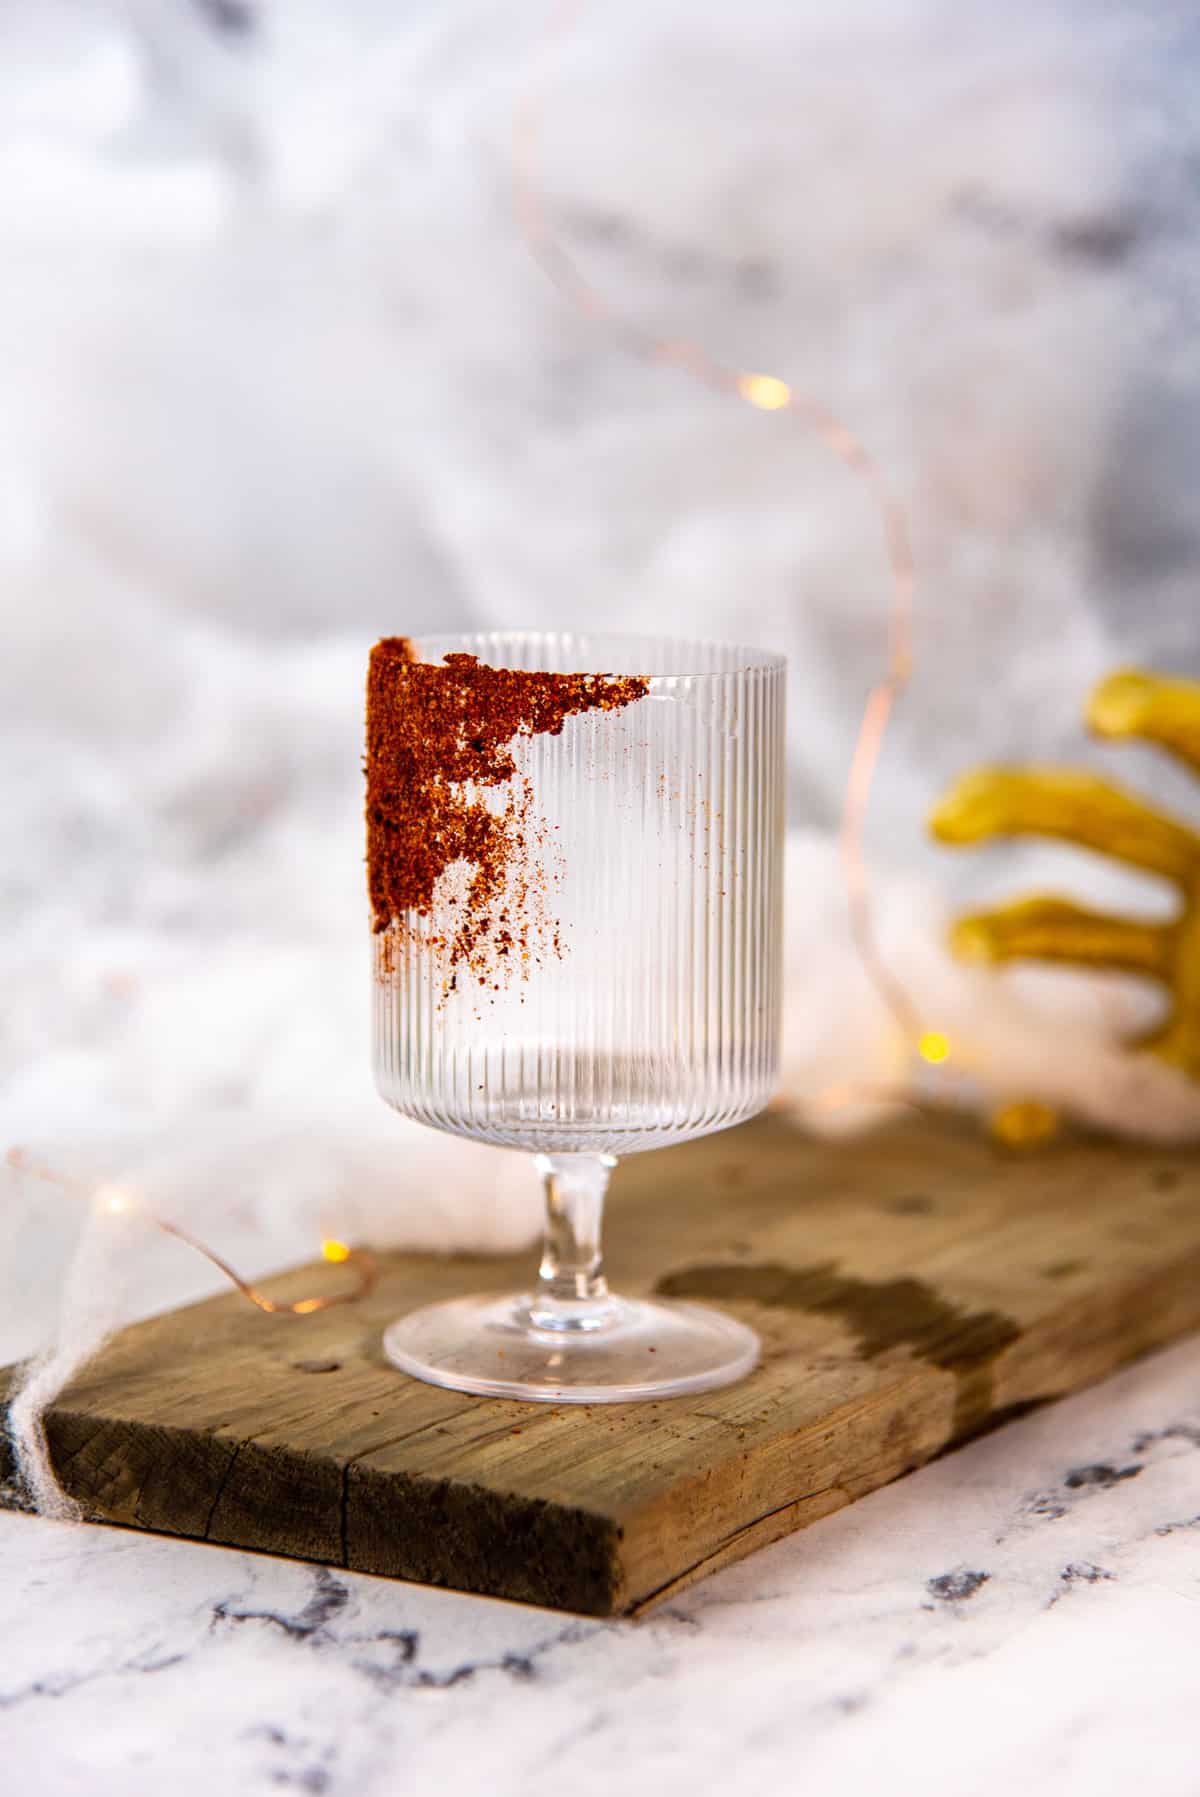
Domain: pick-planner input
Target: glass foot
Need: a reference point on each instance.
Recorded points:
(492, 1346)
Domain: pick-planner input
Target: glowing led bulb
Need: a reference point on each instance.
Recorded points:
(334, 1251)
(933, 1047)
(765, 391)
(113, 1201)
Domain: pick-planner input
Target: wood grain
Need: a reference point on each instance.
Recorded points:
(911, 1289)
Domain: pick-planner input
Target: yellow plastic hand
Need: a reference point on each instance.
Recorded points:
(1085, 809)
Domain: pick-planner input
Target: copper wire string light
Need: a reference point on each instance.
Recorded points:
(111, 1200)
(768, 393)
(765, 393)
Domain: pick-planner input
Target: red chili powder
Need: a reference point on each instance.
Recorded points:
(436, 735)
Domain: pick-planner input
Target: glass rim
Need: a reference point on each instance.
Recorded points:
(744, 659)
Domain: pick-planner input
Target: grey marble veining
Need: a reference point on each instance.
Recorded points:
(1021, 1613)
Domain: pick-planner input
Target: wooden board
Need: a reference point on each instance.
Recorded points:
(911, 1289)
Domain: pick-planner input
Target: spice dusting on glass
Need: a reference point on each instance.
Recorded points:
(453, 834)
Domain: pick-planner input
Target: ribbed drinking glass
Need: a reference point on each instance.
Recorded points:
(621, 991)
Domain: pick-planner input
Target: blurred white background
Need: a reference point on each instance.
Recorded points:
(280, 375)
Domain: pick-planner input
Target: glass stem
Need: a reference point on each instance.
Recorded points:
(572, 1293)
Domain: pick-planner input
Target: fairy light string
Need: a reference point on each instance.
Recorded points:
(112, 1200)
(768, 393)
(764, 392)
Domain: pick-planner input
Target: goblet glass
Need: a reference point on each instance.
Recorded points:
(595, 969)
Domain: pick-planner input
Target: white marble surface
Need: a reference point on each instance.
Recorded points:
(1019, 1615)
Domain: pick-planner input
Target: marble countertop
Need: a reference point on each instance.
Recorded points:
(1021, 1614)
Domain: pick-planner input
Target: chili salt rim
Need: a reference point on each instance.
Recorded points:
(739, 658)
(439, 735)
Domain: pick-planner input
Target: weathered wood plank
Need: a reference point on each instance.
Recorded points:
(911, 1288)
